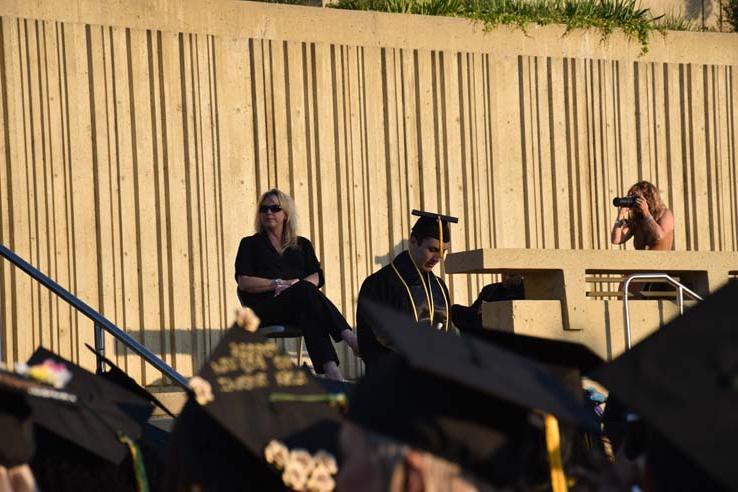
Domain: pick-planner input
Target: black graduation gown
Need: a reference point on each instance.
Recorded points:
(385, 286)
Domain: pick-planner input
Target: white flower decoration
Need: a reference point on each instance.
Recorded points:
(320, 480)
(295, 476)
(302, 459)
(277, 454)
(247, 319)
(301, 470)
(327, 461)
(202, 389)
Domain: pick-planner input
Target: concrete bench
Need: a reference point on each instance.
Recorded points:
(563, 297)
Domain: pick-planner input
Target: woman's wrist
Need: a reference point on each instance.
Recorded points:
(277, 282)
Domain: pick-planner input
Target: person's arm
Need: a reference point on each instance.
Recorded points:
(256, 285)
(313, 278)
(246, 274)
(621, 230)
(312, 265)
(656, 230)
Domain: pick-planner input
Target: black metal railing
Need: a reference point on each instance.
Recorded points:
(100, 322)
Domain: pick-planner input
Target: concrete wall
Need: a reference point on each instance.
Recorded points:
(136, 137)
(703, 14)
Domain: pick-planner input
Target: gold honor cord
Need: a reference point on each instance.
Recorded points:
(445, 300)
(432, 307)
(428, 298)
(553, 449)
(415, 311)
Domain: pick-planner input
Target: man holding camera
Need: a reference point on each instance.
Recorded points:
(644, 217)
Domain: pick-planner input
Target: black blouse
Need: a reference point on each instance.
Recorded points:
(257, 257)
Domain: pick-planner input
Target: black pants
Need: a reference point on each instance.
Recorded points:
(304, 306)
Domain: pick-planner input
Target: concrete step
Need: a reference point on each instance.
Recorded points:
(172, 397)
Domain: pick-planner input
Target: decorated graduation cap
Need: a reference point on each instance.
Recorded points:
(105, 419)
(17, 445)
(277, 411)
(682, 381)
(433, 225)
(464, 400)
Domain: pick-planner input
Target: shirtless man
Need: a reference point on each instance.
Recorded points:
(649, 222)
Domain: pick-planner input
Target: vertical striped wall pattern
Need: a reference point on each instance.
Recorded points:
(131, 161)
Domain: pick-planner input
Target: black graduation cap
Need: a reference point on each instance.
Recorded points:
(682, 381)
(17, 444)
(458, 397)
(566, 360)
(117, 376)
(271, 407)
(102, 412)
(430, 224)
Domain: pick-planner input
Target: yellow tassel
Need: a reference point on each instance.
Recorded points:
(553, 447)
(440, 236)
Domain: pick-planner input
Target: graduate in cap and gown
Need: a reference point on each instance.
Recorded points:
(408, 284)
(443, 412)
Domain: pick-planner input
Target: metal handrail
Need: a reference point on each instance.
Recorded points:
(99, 320)
(681, 289)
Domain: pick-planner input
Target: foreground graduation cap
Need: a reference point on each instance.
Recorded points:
(566, 360)
(459, 398)
(103, 411)
(683, 382)
(17, 443)
(116, 375)
(271, 408)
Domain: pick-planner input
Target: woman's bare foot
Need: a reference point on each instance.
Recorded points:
(331, 371)
(350, 338)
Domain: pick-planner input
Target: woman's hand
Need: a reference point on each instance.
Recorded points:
(642, 206)
(282, 285)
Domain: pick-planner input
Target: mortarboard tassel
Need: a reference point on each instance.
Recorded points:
(553, 449)
(142, 483)
(440, 236)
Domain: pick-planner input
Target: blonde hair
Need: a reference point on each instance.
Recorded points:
(651, 194)
(289, 232)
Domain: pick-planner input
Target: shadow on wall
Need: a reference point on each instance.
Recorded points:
(705, 14)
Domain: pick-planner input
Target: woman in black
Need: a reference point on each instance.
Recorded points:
(279, 276)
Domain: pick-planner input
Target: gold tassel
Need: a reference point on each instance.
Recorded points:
(440, 236)
(553, 448)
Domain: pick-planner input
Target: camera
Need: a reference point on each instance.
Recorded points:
(624, 201)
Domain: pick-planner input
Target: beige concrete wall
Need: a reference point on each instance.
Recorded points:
(136, 137)
(703, 14)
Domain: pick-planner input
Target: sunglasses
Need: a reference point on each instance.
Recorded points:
(270, 208)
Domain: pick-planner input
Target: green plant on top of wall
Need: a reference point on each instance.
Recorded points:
(604, 15)
(730, 10)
